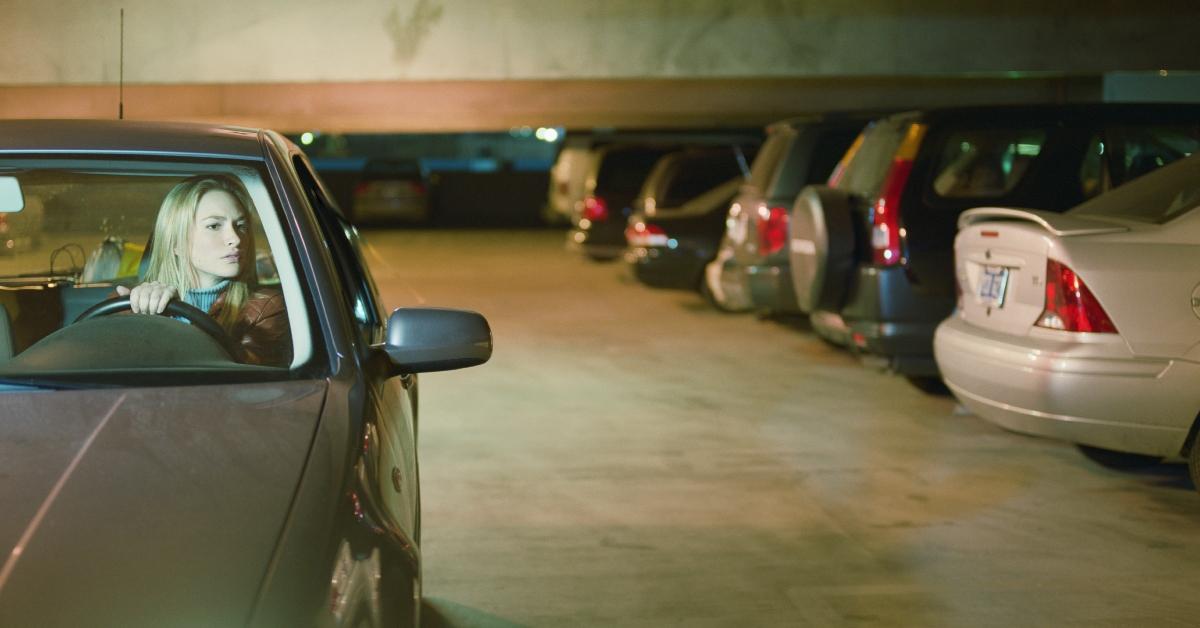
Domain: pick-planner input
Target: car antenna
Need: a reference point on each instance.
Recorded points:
(121, 75)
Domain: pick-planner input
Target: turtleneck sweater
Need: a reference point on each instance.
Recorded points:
(204, 298)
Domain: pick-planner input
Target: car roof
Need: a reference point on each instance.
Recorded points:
(828, 117)
(129, 137)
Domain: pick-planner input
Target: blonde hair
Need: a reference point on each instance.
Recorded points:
(170, 253)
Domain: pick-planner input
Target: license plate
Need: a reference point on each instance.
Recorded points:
(992, 285)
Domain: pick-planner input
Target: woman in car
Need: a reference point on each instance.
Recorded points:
(202, 253)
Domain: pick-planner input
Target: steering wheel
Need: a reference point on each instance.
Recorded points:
(194, 315)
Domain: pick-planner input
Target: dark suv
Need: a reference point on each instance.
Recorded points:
(616, 176)
(751, 269)
(679, 215)
(872, 254)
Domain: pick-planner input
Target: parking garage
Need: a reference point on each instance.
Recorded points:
(633, 456)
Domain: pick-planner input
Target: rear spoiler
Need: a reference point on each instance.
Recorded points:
(1058, 224)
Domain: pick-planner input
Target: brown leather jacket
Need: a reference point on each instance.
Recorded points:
(261, 332)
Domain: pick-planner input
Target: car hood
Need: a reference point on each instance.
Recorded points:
(146, 507)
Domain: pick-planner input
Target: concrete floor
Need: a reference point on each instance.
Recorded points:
(630, 457)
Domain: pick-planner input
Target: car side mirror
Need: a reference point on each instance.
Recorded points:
(11, 198)
(422, 340)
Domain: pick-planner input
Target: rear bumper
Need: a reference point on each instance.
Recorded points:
(662, 267)
(602, 240)
(726, 283)
(886, 318)
(770, 287)
(1096, 393)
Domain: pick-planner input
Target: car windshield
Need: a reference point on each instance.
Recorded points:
(1154, 198)
(77, 232)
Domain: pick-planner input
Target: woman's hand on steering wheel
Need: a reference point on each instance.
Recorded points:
(151, 297)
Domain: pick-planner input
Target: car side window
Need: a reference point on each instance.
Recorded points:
(1094, 175)
(358, 287)
(1124, 153)
(982, 163)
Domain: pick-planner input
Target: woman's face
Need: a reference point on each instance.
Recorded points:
(217, 234)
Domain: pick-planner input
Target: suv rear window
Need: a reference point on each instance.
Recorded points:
(1154, 198)
(623, 171)
(762, 171)
(983, 163)
(868, 163)
(695, 177)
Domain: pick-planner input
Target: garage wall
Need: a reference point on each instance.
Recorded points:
(447, 65)
(235, 41)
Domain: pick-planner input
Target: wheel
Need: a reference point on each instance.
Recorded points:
(401, 595)
(929, 384)
(1124, 461)
(602, 258)
(1194, 463)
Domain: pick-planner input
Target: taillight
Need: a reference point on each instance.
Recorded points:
(595, 209)
(360, 189)
(772, 229)
(643, 234)
(1070, 306)
(886, 230)
(885, 215)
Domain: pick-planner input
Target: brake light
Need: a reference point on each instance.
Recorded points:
(643, 234)
(772, 229)
(595, 209)
(886, 230)
(1070, 306)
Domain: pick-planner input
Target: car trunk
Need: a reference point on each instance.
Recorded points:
(1000, 263)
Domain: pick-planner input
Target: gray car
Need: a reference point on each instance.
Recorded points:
(153, 471)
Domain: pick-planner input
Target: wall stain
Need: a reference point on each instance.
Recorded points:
(408, 30)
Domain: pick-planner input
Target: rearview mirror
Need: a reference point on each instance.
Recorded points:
(422, 340)
(11, 198)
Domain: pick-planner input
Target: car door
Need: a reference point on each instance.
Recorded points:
(389, 436)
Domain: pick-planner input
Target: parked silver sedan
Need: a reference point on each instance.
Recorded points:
(1085, 326)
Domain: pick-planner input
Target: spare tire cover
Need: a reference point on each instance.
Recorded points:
(821, 250)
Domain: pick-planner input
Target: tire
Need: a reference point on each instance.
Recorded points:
(930, 385)
(602, 258)
(1194, 463)
(821, 247)
(401, 596)
(1121, 460)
